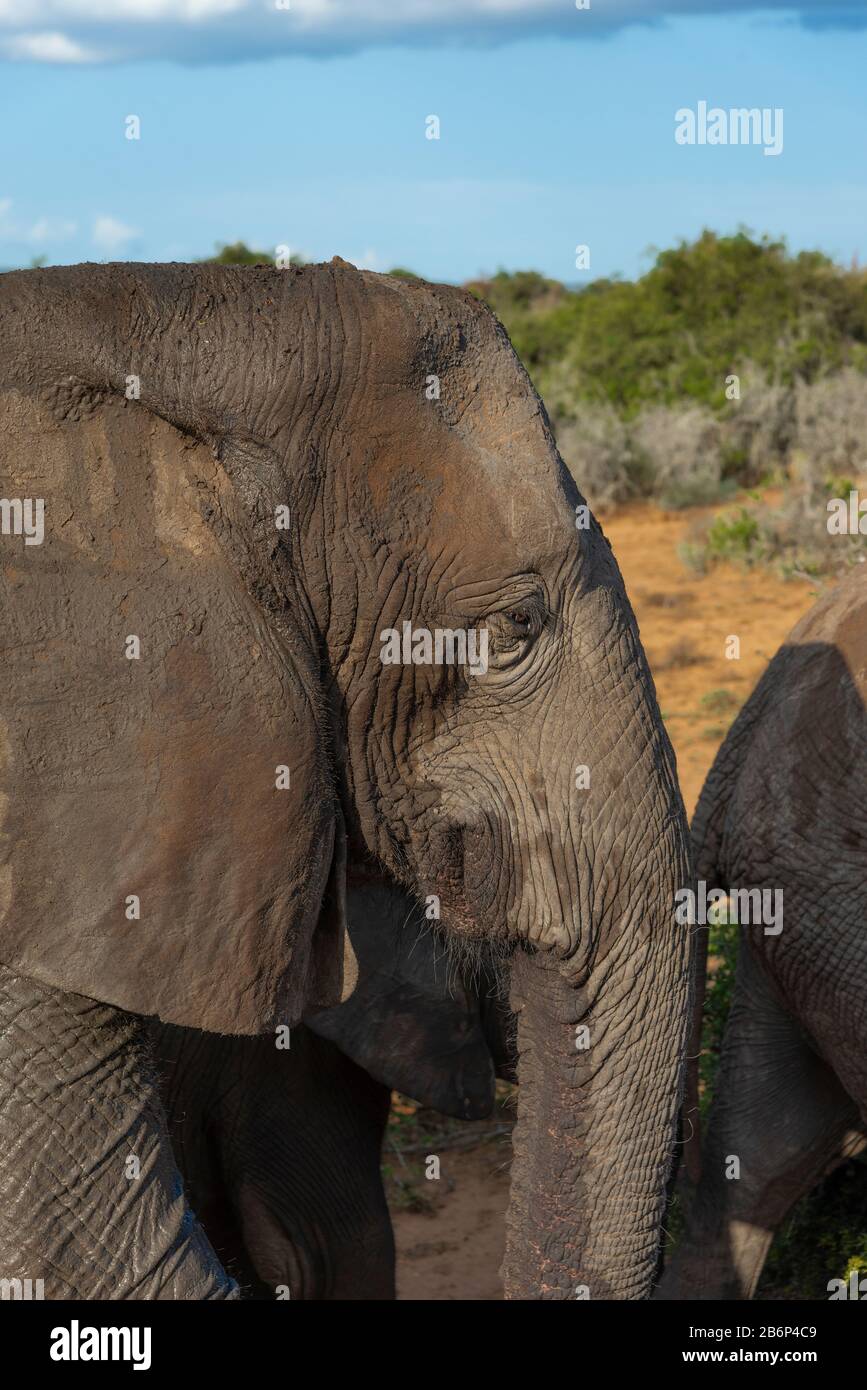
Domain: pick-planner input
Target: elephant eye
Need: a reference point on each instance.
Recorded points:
(511, 633)
(521, 618)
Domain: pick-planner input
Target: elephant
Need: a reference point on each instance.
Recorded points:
(280, 1147)
(783, 809)
(263, 642)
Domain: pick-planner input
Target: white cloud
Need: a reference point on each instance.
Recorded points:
(51, 229)
(200, 31)
(66, 11)
(111, 235)
(369, 260)
(43, 231)
(51, 47)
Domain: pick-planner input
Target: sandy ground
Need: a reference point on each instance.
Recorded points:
(453, 1249)
(686, 620)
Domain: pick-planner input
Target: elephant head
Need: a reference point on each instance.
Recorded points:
(423, 626)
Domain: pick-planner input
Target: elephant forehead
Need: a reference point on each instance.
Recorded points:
(148, 710)
(498, 494)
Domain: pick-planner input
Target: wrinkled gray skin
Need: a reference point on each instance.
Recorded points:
(785, 806)
(311, 390)
(280, 1148)
(79, 1100)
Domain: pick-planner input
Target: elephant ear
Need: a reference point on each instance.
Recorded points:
(411, 1021)
(169, 834)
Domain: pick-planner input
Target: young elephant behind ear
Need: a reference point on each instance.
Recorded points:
(784, 809)
(280, 1147)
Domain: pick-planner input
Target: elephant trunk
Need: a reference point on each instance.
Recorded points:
(599, 1068)
(601, 1023)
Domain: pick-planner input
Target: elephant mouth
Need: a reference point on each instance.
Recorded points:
(502, 928)
(471, 879)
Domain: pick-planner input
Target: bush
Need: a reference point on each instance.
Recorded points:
(734, 537)
(704, 310)
(811, 438)
(757, 430)
(824, 1237)
(596, 450)
(657, 352)
(830, 429)
(239, 253)
(722, 956)
(791, 538)
(680, 454)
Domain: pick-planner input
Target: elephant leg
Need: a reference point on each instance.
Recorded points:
(780, 1120)
(91, 1201)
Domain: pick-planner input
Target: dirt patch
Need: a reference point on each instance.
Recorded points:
(454, 1251)
(447, 1184)
(450, 1232)
(686, 621)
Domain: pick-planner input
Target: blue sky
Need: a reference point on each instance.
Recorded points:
(552, 134)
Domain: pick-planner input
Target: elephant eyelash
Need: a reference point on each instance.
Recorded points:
(527, 618)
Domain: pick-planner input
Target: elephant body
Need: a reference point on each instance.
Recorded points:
(785, 807)
(248, 484)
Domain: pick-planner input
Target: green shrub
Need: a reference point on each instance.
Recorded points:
(722, 955)
(792, 537)
(824, 1237)
(704, 311)
(732, 537)
(239, 253)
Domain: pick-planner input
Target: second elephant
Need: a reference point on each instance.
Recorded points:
(784, 809)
